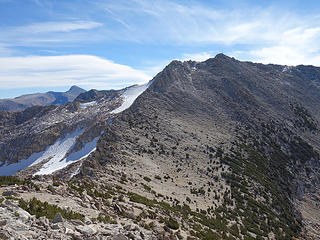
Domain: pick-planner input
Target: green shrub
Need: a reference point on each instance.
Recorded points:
(146, 187)
(50, 188)
(147, 179)
(10, 180)
(123, 179)
(157, 177)
(219, 152)
(105, 219)
(172, 223)
(141, 199)
(56, 184)
(39, 209)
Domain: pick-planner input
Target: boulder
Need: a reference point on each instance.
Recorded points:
(57, 218)
(9, 193)
(3, 222)
(87, 220)
(87, 230)
(77, 222)
(130, 235)
(128, 227)
(117, 208)
(43, 221)
(55, 226)
(119, 237)
(23, 215)
(9, 203)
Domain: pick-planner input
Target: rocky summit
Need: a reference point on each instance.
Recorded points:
(220, 149)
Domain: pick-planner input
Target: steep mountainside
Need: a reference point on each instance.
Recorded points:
(242, 138)
(40, 99)
(219, 149)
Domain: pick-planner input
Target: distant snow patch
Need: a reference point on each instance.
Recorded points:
(60, 161)
(75, 172)
(10, 169)
(54, 154)
(130, 95)
(88, 104)
(287, 68)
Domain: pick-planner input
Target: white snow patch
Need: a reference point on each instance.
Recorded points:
(88, 104)
(10, 169)
(287, 68)
(60, 162)
(59, 149)
(130, 95)
(56, 154)
(75, 172)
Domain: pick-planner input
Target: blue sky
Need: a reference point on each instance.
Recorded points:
(53, 44)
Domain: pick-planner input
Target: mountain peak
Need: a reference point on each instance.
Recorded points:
(222, 56)
(218, 57)
(74, 87)
(75, 90)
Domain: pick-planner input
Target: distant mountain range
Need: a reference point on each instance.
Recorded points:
(40, 99)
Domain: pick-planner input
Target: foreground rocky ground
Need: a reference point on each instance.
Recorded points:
(19, 224)
(85, 217)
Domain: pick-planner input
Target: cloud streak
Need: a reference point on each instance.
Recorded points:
(46, 27)
(260, 34)
(293, 47)
(170, 22)
(46, 33)
(199, 57)
(53, 71)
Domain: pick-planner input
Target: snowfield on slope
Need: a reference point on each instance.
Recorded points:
(88, 104)
(129, 95)
(55, 155)
(59, 161)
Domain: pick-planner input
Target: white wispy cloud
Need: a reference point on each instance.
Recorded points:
(261, 34)
(294, 46)
(5, 50)
(199, 57)
(46, 33)
(45, 27)
(171, 22)
(42, 3)
(52, 71)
